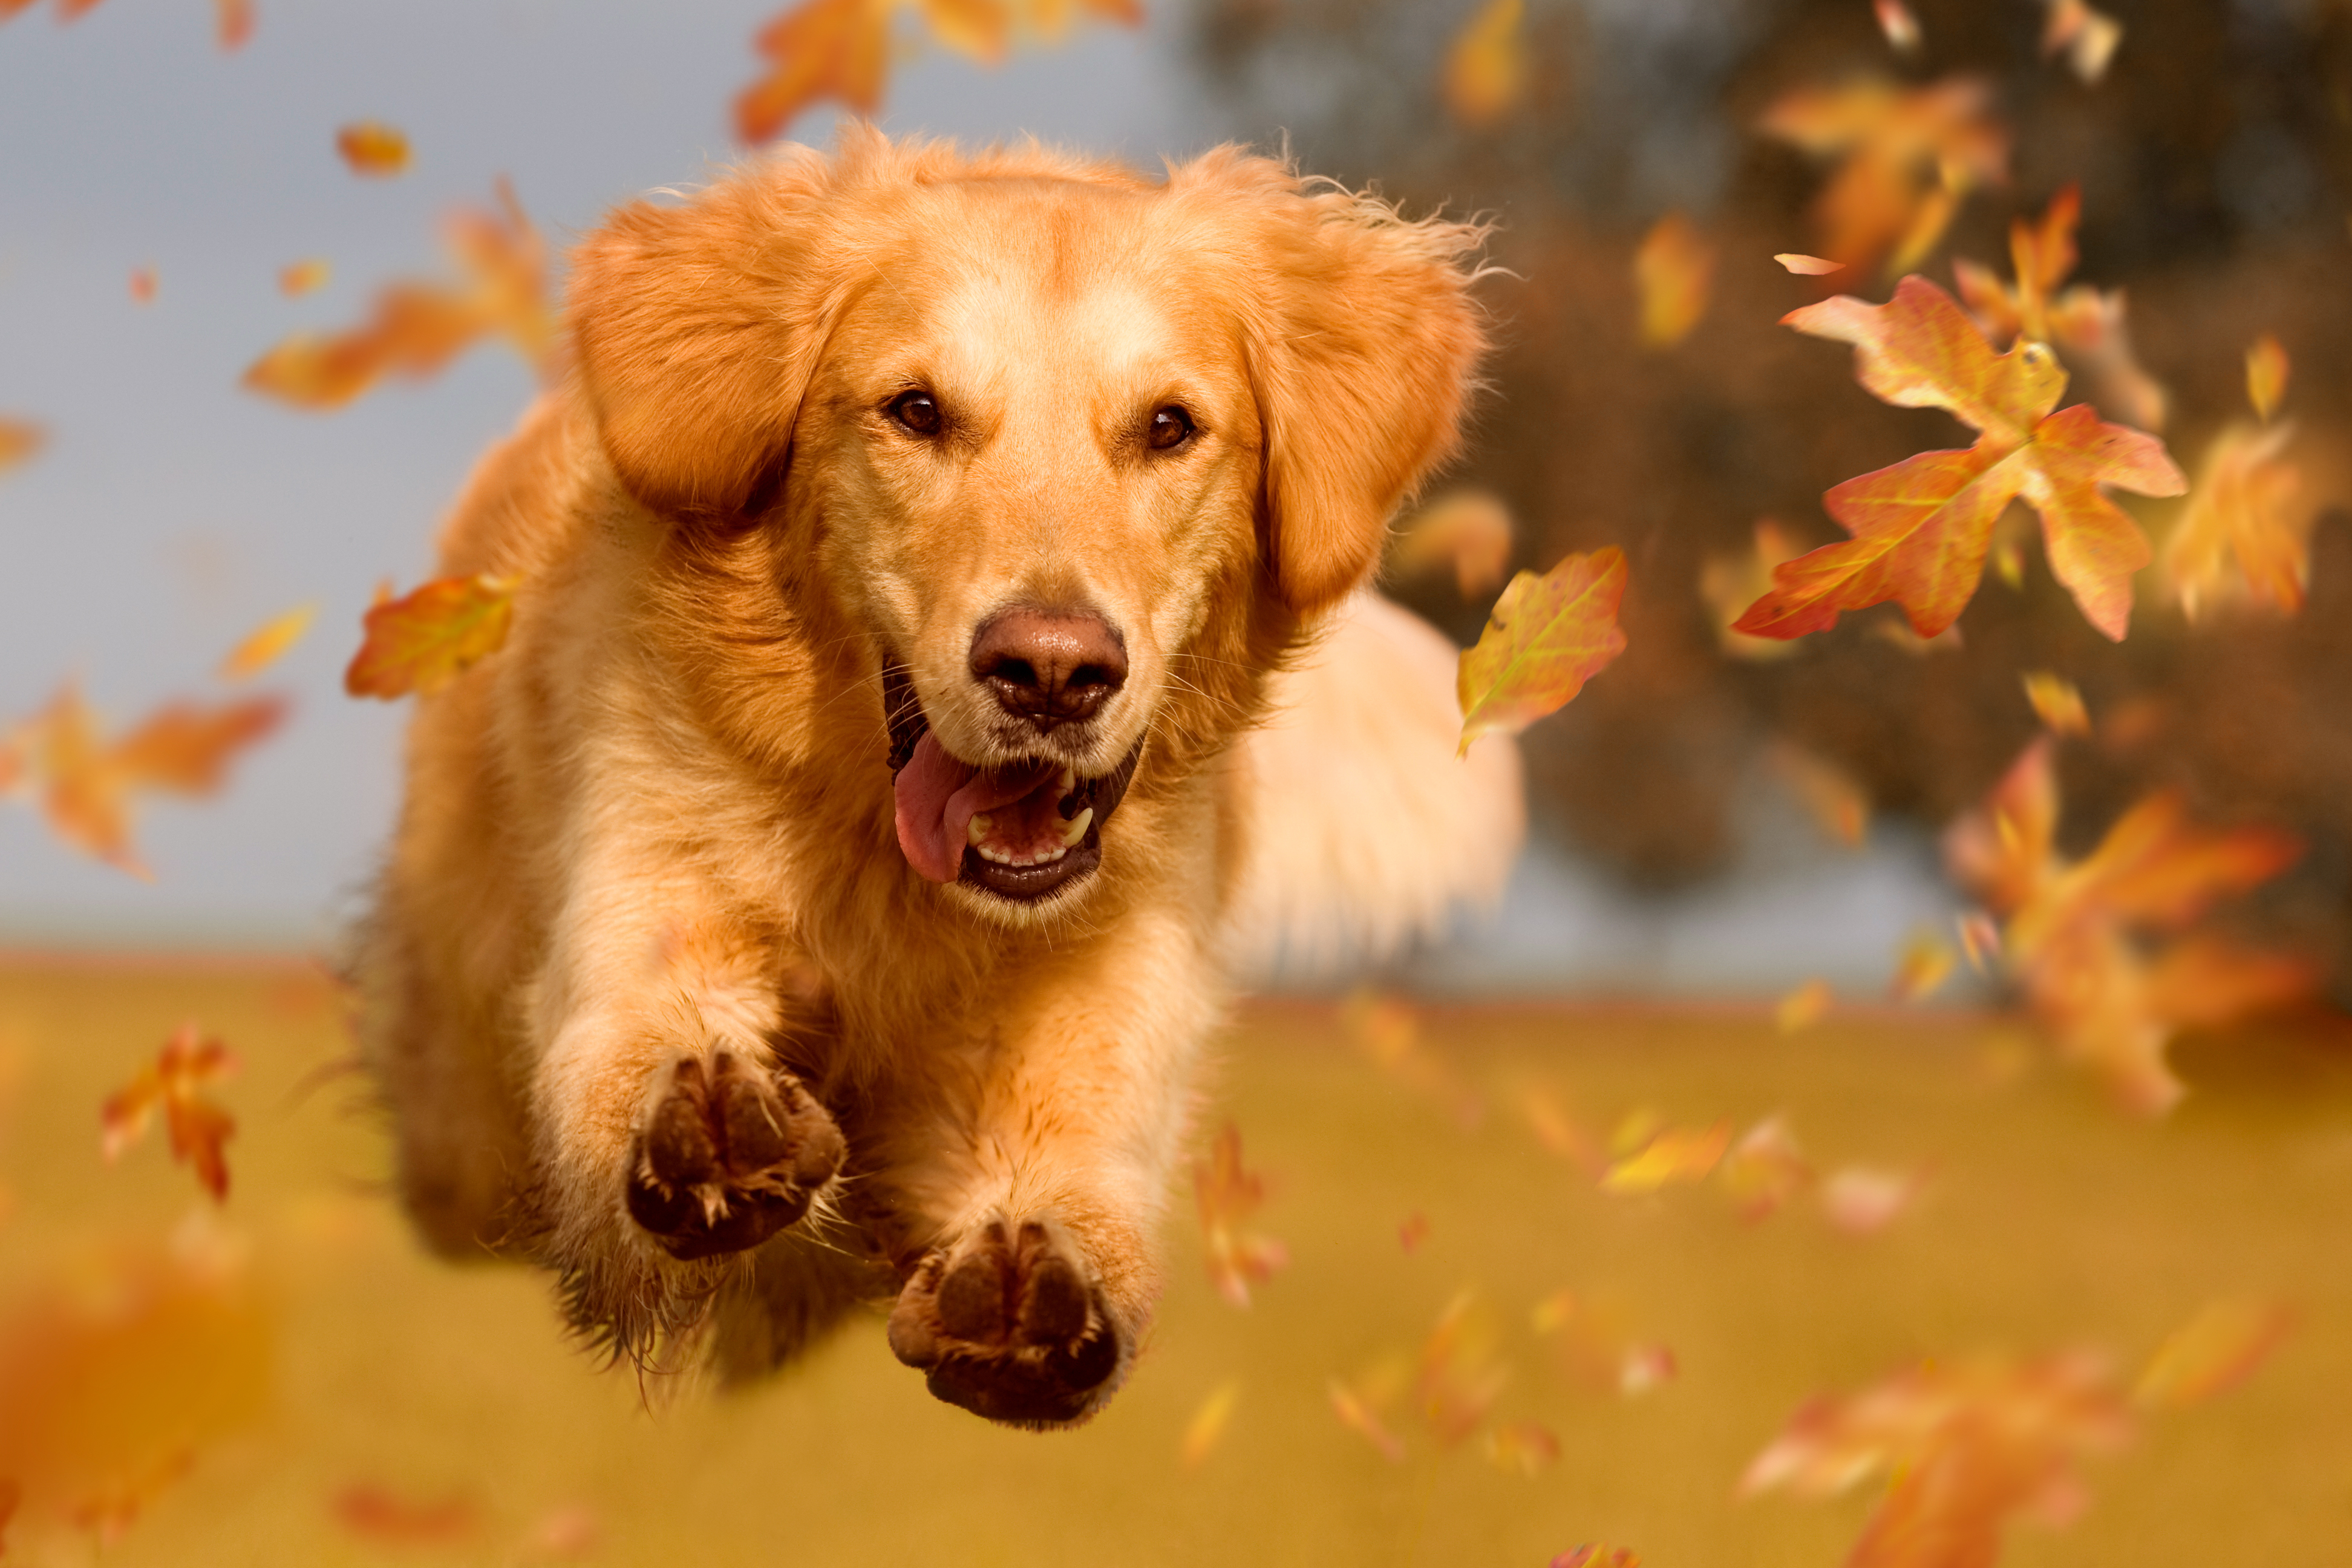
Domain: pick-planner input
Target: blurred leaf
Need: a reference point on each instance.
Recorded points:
(1412, 1232)
(1832, 798)
(1926, 962)
(1730, 584)
(1545, 637)
(373, 148)
(2267, 370)
(231, 23)
(1486, 68)
(301, 278)
(1864, 1201)
(1900, 27)
(267, 643)
(2212, 1353)
(1905, 157)
(1765, 1169)
(174, 1083)
(2244, 536)
(1674, 273)
(1923, 526)
(20, 439)
(1803, 1007)
(377, 1513)
(2087, 37)
(421, 642)
(1359, 1417)
(1202, 1433)
(1227, 1196)
(143, 285)
(1522, 1448)
(1808, 266)
(1597, 1555)
(1458, 1376)
(1469, 531)
(1674, 1156)
(2056, 703)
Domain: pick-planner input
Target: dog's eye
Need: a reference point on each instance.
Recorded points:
(917, 412)
(1170, 427)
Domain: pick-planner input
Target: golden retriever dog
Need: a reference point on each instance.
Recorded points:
(940, 658)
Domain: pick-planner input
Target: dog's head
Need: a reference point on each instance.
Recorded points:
(1076, 454)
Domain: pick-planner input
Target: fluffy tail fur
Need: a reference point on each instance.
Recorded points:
(1365, 831)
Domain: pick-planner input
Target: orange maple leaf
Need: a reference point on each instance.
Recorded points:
(1906, 157)
(2085, 325)
(174, 1083)
(2245, 533)
(417, 328)
(87, 786)
(1922, 527)
(1227, 1196)
(2071, 932)
(1544, 638)
(426, 640)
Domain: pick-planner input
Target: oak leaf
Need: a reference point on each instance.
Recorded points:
(1544, 638)
(2246, 532)
(1906, 157)
(373, 148)
(1730, 584)
(425, 639)
(1673, 272)
(1485, 73)
(1922, 527)
(417, 328)
(174, 1083)
(1227, 1195)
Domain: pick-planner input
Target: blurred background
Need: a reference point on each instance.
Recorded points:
(1733, 839)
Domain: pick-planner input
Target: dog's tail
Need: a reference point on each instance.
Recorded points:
(1364, 830)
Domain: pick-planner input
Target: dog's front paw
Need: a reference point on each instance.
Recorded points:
(1009, 1324)
(730, 1154)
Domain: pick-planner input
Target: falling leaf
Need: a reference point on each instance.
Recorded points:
(1522, 1448)
(373, 148)
(1413, 1231)
(1227, 1196)
(2088, 38)
(2267, 369)
(1863, 1201)
(1458, 1376)
(1921, 528)
(86, 787)
(1486, 68)
(1359, 1418)
(143, 285)
(565, 1532)
(425, 640)
(378, 1513)
(267, 643)
(2244, 535)
(1765, 1169)
(1469, 531)
(1561, 1133)
(231, 23)
(1808, 266)
(1597, 1351)
(1979, 940)
(1386, 1029)
(1967, 1447)
(1544, 638)
(1831, 796)
(1906, 157)
(1901, 27)
(1730, 584)
(2056, 703)
(20, 439)
(301, 278)
(1802, 1008)
(2084, 324)
(1926, 962)
(1202, 1432)
(175, 1084)
(1673, 272)
(417, 328)
(2212, 1353)
(1676, 1155)
(2076, 935)
(1597, 1555)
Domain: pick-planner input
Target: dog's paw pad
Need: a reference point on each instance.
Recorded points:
(728, 1157)
(1009, 1325)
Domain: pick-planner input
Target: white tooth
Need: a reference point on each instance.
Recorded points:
(1077, 827)
(1052, 855)
(1068, 781)
(990, 852)
(978, 830)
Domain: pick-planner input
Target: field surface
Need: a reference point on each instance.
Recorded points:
(411, 1411)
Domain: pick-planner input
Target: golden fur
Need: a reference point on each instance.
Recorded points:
(646, 858)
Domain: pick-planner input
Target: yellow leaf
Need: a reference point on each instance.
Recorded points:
(1675, 271)
(2057, 703)
(1808, 266)
(268, 642)
(1487, 70)
(1926, 963)
(298, 279)
(423, 642)
(20, 439)
(2212, 1352)
(1208, 1424)
(1676, 1155)
(2245, 533)
(1545, 637)
(1804, 1006)
(2267, 369)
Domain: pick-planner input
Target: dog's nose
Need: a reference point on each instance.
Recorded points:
(1049, 668)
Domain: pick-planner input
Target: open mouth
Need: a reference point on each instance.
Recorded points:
(1021, 831)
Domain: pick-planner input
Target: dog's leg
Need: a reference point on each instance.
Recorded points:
(1025, 1224)
(671, 1130)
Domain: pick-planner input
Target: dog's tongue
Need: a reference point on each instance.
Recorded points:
(938, 796)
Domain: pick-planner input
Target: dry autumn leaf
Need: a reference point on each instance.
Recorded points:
(2073, 935)
(1906, 158)
(425, 639)
(1922, 527)
(1207, 1427)
(174, 1083)
(2212, 1353)
(1386, 1029)
(20, 439)
(2267, 370)
(373, 148)
(2056, 703)
(1730, 584)
(1673, 272)
(1674, 1156)
(1764, 1170)
(2245, 534)
(1485, 73)
(1544, 638)
(1227, 1195)
(1808, 266)
(1469, 531)
(267, 643)
(417, 328)
(2084, 324)
(301, 278)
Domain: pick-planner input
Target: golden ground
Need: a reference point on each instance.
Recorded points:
(2051, 1221)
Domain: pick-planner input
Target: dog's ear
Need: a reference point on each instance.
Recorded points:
(696, 329)
(1364, 361)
